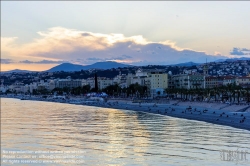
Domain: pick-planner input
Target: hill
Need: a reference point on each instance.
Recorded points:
(17, 71)
(187, 64)
(232, 59)
(99, 65)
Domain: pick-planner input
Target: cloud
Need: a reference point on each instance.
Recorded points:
(6, 61)
(43, 62)
(95, 59)
(59, 44)
(122, 57)
(118, 58)
(217, 53)
(244, 49)
(239, 51)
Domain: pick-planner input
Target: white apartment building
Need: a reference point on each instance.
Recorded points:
(102, 82)
(121, 80)
(188, 81)
(16, 87)
(139, 80)
(141, 73)
(129, 79)
(228, 80)
(154, 80)
(84, 82)
(242, 81)
(52, 85)
(68, 83)
(32, 87)
(25, 88)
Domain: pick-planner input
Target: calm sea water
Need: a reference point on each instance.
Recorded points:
(101, 136)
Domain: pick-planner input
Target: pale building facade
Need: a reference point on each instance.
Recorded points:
(68, 83)
(228, 80)
(102, 82)
(188, 81)
(242, 81)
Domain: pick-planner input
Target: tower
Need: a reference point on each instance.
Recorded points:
(96, 83)
(205, 69)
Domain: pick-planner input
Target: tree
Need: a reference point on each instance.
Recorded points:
(66, 89)
(58, 91)
(8, 91)
(86, 88)
(35, 92)
(76, 91)
(112, 90)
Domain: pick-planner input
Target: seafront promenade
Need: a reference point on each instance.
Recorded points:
(216, 113)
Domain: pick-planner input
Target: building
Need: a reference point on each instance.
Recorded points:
(170, 80)
(139, 80)
(141, 72)
(33, 86)
(228, 80)
(213, 81)
(188, 81)
(25, 88)
(68, 83)
(121, 80)
(158, 79)
(243, 81)
(103, 82)
(157, 82)
(129, 79)
(17, 87)
(3, 89)
(140, 77)
(52, 85)
(205, 70)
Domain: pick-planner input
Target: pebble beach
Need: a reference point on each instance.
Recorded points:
(216, 113)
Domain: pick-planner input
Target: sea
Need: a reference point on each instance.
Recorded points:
(48, 133)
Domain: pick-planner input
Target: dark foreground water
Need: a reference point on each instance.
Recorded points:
(44, 133)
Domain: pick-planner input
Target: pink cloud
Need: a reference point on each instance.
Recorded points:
(62, 44)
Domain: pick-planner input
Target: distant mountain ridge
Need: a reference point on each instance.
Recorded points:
(68, 67)
(232, 59)
(187, 64)
(18, 71)
(99, 65)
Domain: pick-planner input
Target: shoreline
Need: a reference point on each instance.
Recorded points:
(179, 112)
(240, 120)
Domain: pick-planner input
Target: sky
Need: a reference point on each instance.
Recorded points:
(41, 34)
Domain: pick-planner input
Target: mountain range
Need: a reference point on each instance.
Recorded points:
(232, 59)
(187, 64)
(99, 65)
(18, 71)
(67, 67)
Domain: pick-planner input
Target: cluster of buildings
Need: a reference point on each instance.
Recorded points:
(155, 80)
